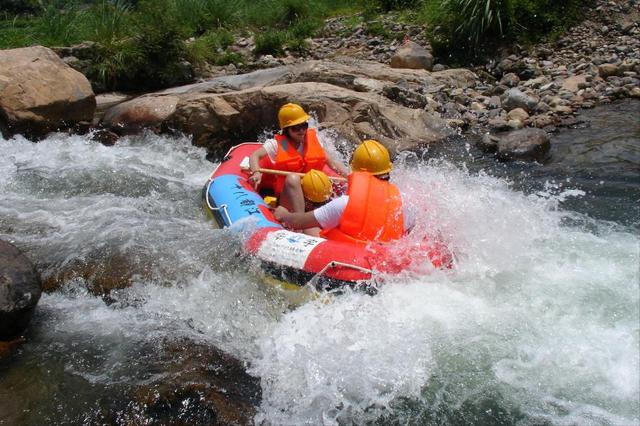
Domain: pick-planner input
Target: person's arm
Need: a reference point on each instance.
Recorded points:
(337, 165)
(296, 220)
(254, 165)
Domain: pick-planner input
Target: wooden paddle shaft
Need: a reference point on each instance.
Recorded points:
(284, 173)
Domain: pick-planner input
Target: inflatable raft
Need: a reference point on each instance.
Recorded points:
(293, 257)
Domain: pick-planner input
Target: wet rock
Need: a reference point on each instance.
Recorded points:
(488, 143)
(39, 93)
(214, 385)
(526, 145)
(8, 348)
(105, 137)
(20, 290)
(102, 271)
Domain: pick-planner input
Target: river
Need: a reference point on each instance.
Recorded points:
(538, 323)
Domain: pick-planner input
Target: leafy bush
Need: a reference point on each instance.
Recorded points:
(297, 45)
(115, 64)
(388, 5)
(305, 28)
(224, 38)
(376, 28)
(471, 28)
(207, 49)
(202, 49)
(270, 43)
(229, 57)
(531, 19)
(159, 39)
(477, 20)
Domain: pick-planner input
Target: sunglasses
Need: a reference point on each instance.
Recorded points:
(298, 127)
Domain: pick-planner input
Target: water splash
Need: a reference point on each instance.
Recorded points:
(538, 322)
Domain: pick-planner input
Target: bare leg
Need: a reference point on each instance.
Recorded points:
(292, 197)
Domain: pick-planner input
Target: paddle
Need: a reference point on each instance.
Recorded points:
(284, 173)
(244, 165)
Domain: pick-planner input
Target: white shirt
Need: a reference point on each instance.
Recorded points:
(328, 216)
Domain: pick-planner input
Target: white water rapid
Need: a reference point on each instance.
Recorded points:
(538, 323)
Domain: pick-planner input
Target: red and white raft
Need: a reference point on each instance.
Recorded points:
(293, 257)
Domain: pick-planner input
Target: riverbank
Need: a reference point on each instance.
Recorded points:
(542, 86)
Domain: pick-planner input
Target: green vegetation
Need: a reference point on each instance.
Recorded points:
(142, 44)
(465, 29)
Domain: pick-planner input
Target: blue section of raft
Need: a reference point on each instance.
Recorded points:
(240, 203)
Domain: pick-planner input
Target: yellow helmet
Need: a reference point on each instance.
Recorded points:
(316, 186)
(291, 114)
(371, 156)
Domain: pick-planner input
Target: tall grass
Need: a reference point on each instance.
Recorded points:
(107, 21)
(477, 19)
(142, 42)
(56, 26)
(472, 28)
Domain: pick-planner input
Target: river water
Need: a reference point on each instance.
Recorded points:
(538, 324)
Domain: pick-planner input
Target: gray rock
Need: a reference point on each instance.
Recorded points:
(20, 290)
(488, 143)
(514, 98)
(526, 144)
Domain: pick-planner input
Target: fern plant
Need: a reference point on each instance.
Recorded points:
(477, 19)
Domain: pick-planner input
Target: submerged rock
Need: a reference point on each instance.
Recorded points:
(213, 385)
(20, 290)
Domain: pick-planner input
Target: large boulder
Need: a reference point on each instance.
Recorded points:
(39, 93)
(225, 110)
(348, 73)
(217, 121)
(20, 290)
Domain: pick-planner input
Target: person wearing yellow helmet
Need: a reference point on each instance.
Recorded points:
(372, 210)
(317, 190)
(296, 148)
(316, 186)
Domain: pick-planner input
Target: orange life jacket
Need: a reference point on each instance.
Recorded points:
(373, 212)
(289, 159)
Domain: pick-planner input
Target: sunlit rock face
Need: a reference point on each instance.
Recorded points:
(350, 96)
(39, 93)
